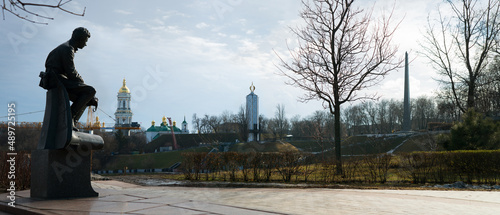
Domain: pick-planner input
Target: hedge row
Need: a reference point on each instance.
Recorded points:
(417, 167)
(282, 166)
(229, 165)
(441, 167)
(19, 173)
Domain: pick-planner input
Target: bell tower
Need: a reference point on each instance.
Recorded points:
(123, 114)
(185, 126)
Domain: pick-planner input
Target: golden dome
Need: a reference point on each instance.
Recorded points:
(97, 124)
(124, 88)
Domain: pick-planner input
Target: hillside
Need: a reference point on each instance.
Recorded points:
(150, 160)
(355, 145)
(167, 159)
(375, 144)
(262, 147)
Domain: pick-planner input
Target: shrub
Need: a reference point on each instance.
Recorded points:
(269, 163)
(418, 166)
(351, 167)
(440, 167)
(230, 163)
(377, 167)
(255, 160)
(289, 164)
(22, 170)
(474, 132)
(193, 164)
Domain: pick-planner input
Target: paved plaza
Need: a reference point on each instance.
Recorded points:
(123, 198)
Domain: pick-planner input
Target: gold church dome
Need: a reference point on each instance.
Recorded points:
(124, 88)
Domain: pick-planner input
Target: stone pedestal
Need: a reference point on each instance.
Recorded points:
(61, 173)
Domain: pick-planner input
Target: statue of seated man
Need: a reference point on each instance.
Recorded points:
(60, 62)
(62, 161)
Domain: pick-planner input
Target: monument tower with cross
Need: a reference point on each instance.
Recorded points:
(253, 115)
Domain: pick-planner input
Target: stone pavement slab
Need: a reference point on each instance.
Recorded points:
(122, 198)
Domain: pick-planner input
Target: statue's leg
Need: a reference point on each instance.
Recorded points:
(80, 96)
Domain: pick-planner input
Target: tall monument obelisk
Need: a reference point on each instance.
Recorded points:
(406, 113)
(253, 115)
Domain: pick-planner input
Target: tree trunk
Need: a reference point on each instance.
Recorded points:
(470, 94)
(338, 154)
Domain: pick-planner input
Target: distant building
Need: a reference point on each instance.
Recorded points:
(184, 125)
(154, 132)
(123, 114)
(253, 115)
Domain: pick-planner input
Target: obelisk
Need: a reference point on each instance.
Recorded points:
(253, 115)
(406, 113)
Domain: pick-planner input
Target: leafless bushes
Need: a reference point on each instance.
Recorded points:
(21, 170)
(286, 167)
(441, 167)
(245, 166)
(377, 167)
(297, 167)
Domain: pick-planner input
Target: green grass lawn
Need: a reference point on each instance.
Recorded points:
(262, 147)
(167, 159)
(311, 145)
(150, 160)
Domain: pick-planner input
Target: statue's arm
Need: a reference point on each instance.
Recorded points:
(69, 65)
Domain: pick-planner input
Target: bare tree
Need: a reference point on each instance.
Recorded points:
(23, 9)
(342, 50)
(424, 111)
(489, 89)
(396, 114)
(242, 120)
(210, 124)
(446, 111)
(196, 123)
(371, 110)
(382, 115)
(462, 45)
(282, 124)
(355, 120)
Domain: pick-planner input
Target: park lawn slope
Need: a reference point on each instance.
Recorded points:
(150, 160)
(262, 147)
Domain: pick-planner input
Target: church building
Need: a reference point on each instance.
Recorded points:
(154, 132)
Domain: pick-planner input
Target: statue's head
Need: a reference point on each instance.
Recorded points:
(80, 36)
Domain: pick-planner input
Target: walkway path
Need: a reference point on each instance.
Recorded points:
(119, 197)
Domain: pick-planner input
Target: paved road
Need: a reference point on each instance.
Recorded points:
(118, 197)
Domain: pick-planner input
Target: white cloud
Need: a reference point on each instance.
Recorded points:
(132, 31)
(202, 25)
(172, 13)
(247, 46)
(123, 12)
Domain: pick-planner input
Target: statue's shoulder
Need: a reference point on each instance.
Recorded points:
(64, 47)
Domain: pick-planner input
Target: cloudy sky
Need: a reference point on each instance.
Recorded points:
(185, 57)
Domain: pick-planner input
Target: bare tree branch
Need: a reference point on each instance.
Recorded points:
(463, 46)
(18, 7)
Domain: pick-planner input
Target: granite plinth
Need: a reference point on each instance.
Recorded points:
(61, 173)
